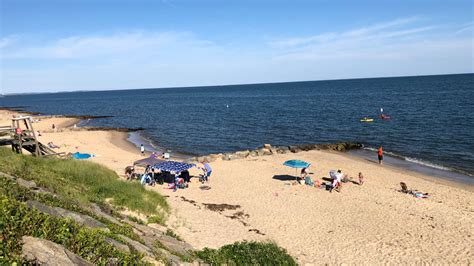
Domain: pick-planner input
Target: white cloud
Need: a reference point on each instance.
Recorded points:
(138, 59)
(79, 47)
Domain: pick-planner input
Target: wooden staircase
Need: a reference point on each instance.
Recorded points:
(25, 138)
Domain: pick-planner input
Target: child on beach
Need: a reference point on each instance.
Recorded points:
(361, 178)
(142, 149)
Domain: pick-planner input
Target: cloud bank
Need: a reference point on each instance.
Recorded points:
(144, 58)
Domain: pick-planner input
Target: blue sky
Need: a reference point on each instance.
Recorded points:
(65, 45)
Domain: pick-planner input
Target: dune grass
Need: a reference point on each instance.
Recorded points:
(83, 182)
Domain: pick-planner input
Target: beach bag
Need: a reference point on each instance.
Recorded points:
(308, 181)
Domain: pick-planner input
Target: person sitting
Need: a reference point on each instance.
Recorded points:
(303, 175)
(185, 175)
(361, 178)
(337, 181)
(129, 172)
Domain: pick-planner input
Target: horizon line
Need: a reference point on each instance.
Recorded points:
(228, 85)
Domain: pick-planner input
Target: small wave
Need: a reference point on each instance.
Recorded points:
(412, 160)
(424, 163)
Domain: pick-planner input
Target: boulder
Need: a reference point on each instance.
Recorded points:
(137, 246)
(214, 157)
(253, 153)
(228, 156)
(95, 209)
(294, 149)
(117, 244)
(62, 213)
(45, 252)
(242, 154)
(283, 149)
(267, 146)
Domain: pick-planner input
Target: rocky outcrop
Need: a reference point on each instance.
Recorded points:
(44, 252)
(62, 213)
(268, 149)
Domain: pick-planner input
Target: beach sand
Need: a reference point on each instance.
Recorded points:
(247, 200)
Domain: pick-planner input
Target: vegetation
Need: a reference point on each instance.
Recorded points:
(171, 233)
(155, 219)
(17, 220)
(247, 253)
(84, 182)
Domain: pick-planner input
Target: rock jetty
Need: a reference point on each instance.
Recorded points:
(268, 149)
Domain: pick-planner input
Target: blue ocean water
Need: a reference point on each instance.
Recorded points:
(432, 116)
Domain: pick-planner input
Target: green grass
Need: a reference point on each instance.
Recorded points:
(247, 253)
(83, 181)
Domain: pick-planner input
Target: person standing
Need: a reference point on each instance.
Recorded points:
(380, 154)
(142, 149)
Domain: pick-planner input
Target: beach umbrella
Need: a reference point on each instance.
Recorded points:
(172, 166)
(296, 164)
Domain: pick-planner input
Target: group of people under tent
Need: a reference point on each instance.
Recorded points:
(337, 178)
(152, 176)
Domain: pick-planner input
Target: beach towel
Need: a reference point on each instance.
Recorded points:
(81, 156)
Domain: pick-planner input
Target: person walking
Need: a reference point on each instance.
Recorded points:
(142, 149)
(380, 154)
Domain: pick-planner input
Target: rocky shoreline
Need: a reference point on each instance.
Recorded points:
(268, 149)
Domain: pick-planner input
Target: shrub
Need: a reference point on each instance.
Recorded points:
(247, 253)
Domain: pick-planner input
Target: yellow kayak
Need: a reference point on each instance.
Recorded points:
(365, 119)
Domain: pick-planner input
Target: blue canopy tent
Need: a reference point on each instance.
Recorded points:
(172, 166)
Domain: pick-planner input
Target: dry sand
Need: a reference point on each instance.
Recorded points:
(368, 224)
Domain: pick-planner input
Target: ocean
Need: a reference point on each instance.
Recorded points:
(432, 117)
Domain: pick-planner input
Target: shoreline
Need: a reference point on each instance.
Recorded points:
(363, 224)
(128, 144)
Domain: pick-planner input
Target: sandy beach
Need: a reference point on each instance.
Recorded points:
(247, 199)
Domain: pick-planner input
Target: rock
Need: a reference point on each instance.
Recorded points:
(242, 154)
(174, 245)
(137, 246)
(26, 183)
(117, 244)
(45, 252)
(306, 147)
(158, 227)
(283, 149)
(214, 157)
(267, 146)
(201, 159)
(62, 213)
(228, 156)
(294, 149)
(95, 209)
(253, 153)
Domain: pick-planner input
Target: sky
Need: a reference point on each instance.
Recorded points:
(69, 45)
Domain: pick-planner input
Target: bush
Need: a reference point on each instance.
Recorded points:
(83, 181)
(247, 253)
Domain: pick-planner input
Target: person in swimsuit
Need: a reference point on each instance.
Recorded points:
(380, 154)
